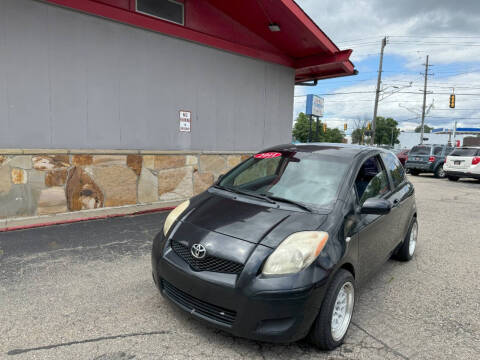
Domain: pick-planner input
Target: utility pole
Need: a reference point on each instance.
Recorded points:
(377, 93)
(310, 128)
(424, 102)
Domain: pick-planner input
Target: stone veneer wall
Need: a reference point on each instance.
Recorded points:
(55, 182)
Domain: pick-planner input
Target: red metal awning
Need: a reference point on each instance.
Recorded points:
(241, 26)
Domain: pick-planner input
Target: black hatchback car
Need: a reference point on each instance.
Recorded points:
(428, 159)
(275, 250)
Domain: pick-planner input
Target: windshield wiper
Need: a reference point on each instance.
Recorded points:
(293, 202)
(246, 192)
(223, 188)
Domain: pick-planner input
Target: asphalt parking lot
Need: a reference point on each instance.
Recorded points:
(85, 291)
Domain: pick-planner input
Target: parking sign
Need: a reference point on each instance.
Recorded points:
(185, 121)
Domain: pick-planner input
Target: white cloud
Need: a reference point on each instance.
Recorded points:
(429, 25)
(446, 30)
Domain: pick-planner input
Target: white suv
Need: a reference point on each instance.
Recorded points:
(463, 162)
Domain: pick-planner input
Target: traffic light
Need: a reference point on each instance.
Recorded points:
(345, 127)
(324, 127)
(369, 126)
(452, 101)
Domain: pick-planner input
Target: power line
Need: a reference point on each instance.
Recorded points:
(435, 36)
(466, 44)
(478, 109)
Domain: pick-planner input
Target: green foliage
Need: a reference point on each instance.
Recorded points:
(300, 131)
(386, 131)
(357, 136)
(426, 129)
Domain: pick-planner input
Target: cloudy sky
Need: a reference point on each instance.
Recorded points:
(448, 31)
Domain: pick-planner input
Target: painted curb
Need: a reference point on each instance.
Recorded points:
(70, 221)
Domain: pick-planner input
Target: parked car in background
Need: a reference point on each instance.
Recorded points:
(463, 163)
(428, 159)
(402, 155)
(275, 250)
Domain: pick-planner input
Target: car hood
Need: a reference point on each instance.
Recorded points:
(254, 222)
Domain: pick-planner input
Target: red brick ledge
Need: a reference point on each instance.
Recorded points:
(73, 217)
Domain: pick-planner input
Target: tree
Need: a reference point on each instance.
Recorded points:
(301, 131)
(386, 131)
(426, 128)
(357, 135)
(360, 134)
(333, 136)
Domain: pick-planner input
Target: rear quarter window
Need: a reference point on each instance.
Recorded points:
(437, 150)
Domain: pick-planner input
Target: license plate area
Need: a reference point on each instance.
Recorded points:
(457, 162)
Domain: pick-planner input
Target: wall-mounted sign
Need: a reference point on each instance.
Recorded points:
(185, 121)
(315, 105)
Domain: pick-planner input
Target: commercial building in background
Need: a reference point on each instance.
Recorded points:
(120, 102)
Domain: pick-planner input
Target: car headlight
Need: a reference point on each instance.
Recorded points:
(295, 253)
(174, 214)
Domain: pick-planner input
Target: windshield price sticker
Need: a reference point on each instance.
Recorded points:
(268, 155)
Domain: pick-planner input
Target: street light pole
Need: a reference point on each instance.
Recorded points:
(310, 128)
(377, 93)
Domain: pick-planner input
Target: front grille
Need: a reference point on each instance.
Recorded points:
(208, 263)
(195, 305)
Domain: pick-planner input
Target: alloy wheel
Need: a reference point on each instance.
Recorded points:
(342, 311)
(412, 244)
(441, 172)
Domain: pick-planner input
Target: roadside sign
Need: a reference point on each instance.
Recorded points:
(185, 121)
(314, 105)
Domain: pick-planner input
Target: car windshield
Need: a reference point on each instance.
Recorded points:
(301, 177)
(420, 150)
(465, 152)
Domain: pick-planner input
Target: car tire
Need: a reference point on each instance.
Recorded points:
(453, 178)
(439, 172)
(407, 249)
(414, 172)
(331, 325)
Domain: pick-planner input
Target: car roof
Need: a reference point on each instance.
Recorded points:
(432, 145)
(337, 149)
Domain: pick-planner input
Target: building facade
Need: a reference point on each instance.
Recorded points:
(119, 102)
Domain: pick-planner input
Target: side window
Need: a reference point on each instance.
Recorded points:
(371, 181)
(437, 150)
(394, 167)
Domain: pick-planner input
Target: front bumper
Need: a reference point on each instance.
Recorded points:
(247, 305)
(462, 174)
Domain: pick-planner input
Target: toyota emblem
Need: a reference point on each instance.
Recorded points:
(198, 251)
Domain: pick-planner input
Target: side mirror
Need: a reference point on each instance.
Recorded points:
(376, 206)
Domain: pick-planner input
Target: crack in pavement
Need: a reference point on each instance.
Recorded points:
(381, 342)
(102, 338)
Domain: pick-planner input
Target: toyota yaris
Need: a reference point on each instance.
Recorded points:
(275, 250)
